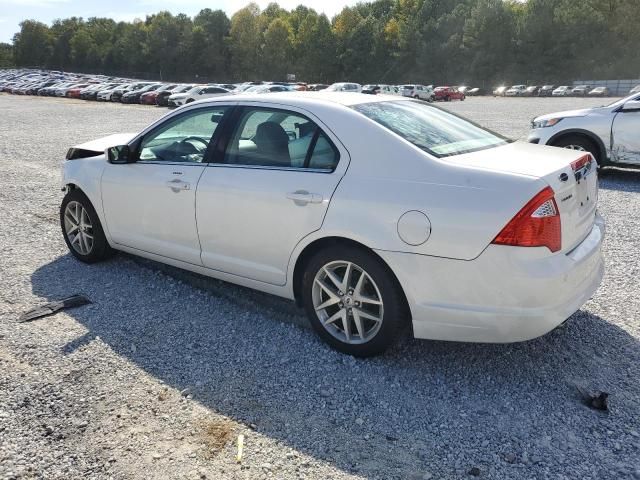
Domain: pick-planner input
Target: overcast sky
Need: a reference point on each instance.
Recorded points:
(12, 12)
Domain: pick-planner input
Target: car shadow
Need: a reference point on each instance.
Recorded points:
(423, 406)
(622, 179)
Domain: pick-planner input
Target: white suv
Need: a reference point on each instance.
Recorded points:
(609, 133)
(419, 91)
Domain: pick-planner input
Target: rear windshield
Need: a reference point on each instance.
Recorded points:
(429, 128)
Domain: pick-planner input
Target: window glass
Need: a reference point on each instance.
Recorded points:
(182, 139)
(277, 138)
(433, 130)
(324, 155)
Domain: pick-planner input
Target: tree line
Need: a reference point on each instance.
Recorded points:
(479, 42)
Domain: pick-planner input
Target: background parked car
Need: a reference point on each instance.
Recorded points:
(447, 94)
(316, 87)
(149, 98)
(344, 87)
(133, 96)
(117, 94)
(419, 91)
(91, 91)
(609, 133)
(562, 91)
(499, 91)
(599, 92)
(581, 90)
(162, 96)
(515, 91)
(546, 90)
(531, 91)
(474, 92)
(635, 89)
(105, 95)
(202, 91)
(71, 92)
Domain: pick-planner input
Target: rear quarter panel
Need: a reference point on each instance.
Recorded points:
(388, 177)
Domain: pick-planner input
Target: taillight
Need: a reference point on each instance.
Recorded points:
(536, 225)
(581, 162)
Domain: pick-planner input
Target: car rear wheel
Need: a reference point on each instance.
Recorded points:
(352, 300)
(82, 230)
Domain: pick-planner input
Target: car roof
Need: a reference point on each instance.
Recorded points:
(307, 99)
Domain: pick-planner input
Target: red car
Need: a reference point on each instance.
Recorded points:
(75, 92)
(149, 98)
(447, 94)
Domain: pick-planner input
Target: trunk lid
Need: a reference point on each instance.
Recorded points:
(575, 187)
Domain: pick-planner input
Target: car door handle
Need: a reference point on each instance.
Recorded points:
(302, 197)
(176, 185)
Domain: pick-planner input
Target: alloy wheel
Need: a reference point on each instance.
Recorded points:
(347, 302)
(78, 228)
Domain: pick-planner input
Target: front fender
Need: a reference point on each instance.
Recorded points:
(603, 150)
(85, 174)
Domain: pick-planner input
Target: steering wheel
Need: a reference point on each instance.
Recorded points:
(202, 140)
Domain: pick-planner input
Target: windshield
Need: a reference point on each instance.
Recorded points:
(429, 128)
(635, 96)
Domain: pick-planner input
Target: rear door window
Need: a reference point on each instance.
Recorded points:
(277, 138)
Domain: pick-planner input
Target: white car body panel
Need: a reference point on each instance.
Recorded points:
(143, 211)
(251, 232)
(236, 223)
(517, 293)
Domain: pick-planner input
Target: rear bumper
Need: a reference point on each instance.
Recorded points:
(507, 294)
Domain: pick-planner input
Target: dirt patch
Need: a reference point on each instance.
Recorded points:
(216, 434)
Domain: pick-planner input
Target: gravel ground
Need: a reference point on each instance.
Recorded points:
(158, 377)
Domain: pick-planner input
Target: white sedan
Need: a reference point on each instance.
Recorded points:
(199, 92)
(372, 212)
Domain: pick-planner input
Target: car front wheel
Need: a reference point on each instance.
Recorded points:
(580, 143)
(352, 300)
(82, 230)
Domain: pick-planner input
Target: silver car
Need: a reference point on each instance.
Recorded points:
(609, 133)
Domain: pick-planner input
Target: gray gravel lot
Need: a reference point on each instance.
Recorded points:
(156, 379)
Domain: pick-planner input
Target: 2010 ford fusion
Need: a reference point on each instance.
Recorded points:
(369, 212)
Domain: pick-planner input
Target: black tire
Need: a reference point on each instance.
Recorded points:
(583, 142)
(394, 313)
(100, 250)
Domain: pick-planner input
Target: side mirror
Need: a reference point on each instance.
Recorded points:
(631, 106)
(119, 154)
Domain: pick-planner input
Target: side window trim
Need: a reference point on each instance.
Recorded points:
(231, 124)
(312, 147)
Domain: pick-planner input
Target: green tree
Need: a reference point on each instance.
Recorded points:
(210, 47)
(245, 41)
(6, 55)
(276, 50)
(33, 44)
